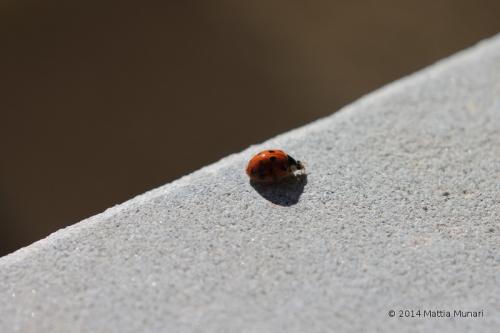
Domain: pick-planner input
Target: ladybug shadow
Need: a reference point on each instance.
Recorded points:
(284, 193)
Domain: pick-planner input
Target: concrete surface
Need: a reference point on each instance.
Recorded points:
(398, 211)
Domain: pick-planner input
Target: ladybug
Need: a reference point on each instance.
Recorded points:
(272, 165)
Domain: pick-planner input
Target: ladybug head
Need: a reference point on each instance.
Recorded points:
(295, 165)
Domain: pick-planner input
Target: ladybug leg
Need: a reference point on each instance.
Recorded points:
(302, 171)
(294, 175)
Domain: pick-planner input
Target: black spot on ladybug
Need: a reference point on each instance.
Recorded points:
(251, 171)
(262, 177)
(283, 168)
(271, 151)
(261, 170)
(275, 177)
(273, 159)
(283, 163)
(271, 170)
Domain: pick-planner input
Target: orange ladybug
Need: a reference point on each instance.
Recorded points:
(272, 165)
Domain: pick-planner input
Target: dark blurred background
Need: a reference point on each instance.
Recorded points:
(103, 100)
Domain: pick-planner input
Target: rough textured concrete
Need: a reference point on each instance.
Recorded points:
(398, 211)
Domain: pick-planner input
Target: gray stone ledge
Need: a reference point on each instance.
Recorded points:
(399, 211)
